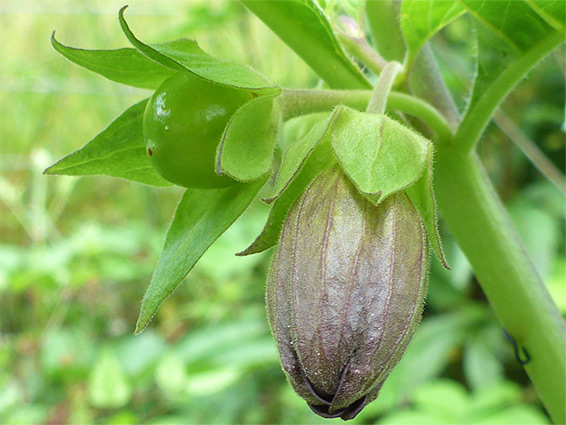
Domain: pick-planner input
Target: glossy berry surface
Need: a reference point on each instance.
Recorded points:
(182, 126)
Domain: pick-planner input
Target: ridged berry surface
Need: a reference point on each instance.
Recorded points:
(345, 292)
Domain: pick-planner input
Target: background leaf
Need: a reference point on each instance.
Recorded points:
(481, 366)
(500, 42)
(201, 217)
(108, 386)
(302, 25)
(552, 11)
(505, 55)
(185, 54)
(125, 66)
(420, 20)
(245, 151)
(118, 151)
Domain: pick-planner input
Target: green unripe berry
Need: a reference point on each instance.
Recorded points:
(182, 126)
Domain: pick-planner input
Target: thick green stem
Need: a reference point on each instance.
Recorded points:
(477, 118)
(301, 102)
(478, 221)
(480, 225)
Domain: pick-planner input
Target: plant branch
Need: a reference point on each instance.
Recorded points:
(426, 82)
(384, 84)
(478, 221)
(477, 118)
(301, 102)
(360, 49)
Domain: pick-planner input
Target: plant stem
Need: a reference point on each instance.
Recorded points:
(478, 221)
(425, 81)
(477, 118)
(301, 102)
(383, 21)
(382, 88)
(362, 51)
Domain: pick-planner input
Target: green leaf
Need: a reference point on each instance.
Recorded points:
(245, 151)
(492, 398)
(429, 353)
(420, 20)
(319, 160)
(553, 12)
(108, 385)
(499, 41)
(380, 155)
(505, 18)
(185, 54)
(410, 417)
(303, 26)
(506, 54)
(118, 151)
(125, 66)
(201, 217)
(422, 195)
(481, 367)
(297, 154)
(448, 399)
(522, 414)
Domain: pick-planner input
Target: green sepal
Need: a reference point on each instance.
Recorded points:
(245, 152)
(297, 154)
(421, 194)
(118, 151)
(186, 55)
(320, 159)
(201, 217)
(379, 155)
(124, 66)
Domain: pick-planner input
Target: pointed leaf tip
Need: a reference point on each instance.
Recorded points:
(201, 217)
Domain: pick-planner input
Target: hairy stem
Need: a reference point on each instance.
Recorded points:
(426, 82)
(362, 51)
(478, 221)
(301, 102)
(384, 84)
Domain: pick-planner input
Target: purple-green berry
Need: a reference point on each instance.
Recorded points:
(345, 292)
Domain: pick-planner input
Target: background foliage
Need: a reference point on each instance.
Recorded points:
(76, 254)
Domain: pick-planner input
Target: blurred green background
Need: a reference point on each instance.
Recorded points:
(76, 254)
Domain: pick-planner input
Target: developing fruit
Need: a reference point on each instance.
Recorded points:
(345, 292)
(182, 126)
